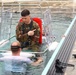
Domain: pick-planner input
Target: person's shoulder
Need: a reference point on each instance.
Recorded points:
(6, 57)
(35, 23)
(19, 24)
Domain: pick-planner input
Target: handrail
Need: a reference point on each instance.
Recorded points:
(45, 71)
(7, 40)
(43, 52)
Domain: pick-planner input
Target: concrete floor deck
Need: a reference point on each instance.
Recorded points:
(72, 60)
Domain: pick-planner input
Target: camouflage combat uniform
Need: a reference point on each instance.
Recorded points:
(22, 36)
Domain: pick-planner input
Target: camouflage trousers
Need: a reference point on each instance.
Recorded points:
(34, 47)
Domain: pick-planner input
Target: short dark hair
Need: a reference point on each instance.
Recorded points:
(25, 12)
(15, 46)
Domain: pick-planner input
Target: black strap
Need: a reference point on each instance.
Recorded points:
(15, 47)
(23, 27)
(31, 24)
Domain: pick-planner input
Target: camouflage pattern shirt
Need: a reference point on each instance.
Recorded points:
(21, 33)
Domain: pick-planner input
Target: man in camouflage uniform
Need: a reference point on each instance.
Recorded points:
(28, 32)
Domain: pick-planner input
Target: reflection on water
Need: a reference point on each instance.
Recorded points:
(60, 23)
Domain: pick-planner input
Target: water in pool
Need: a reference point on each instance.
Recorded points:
(59, 24)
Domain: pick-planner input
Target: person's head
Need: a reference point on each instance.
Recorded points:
(15, 47)
(25, 16)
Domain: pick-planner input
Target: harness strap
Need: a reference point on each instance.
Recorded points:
(23, 26)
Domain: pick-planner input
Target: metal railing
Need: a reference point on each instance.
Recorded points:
(63, 50)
